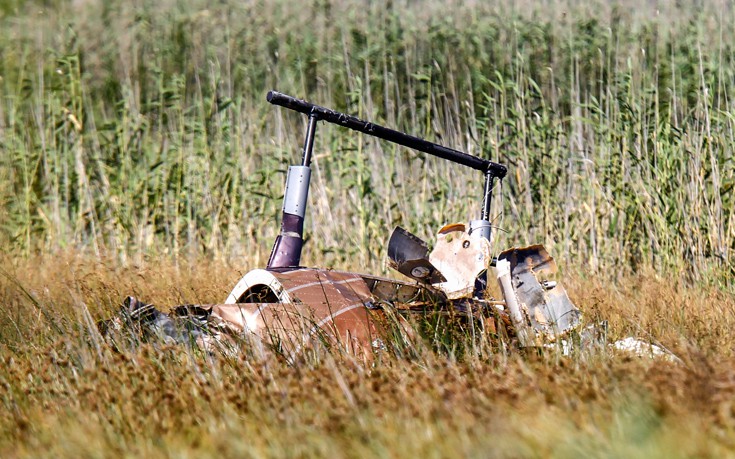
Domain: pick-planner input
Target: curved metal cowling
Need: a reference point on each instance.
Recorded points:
(308, 305)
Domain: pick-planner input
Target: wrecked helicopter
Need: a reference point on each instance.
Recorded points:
(291, 307)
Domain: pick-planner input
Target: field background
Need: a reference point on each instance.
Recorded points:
(138, 155)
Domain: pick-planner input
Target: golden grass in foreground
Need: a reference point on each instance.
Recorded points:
(62, 396)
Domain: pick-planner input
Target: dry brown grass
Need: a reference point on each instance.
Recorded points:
(136, 128)
(64, 396)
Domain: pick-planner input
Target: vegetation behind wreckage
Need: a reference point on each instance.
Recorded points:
(138, 156)
(142, 127)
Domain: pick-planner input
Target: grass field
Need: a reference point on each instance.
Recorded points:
(68, 396)
(138, 156)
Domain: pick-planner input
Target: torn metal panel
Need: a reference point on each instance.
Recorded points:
(544, 303)
(395, 292)
(460, 258)
(525, 333)
(409, 255)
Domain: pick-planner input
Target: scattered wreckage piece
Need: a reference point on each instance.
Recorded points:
(539, 307)
(644, 349)
(288, 308)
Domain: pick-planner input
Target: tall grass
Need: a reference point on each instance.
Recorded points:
(66, 394)
(140, 128)
(137, 132)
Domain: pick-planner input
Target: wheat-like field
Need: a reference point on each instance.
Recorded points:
(138, 156)
(66, 394)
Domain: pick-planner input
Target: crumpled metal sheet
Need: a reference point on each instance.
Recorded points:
(409, 255)
(460, 258)
(545, 303)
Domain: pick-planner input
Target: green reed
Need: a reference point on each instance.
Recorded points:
(141, 128)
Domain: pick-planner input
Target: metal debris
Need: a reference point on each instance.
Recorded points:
(289, 308)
